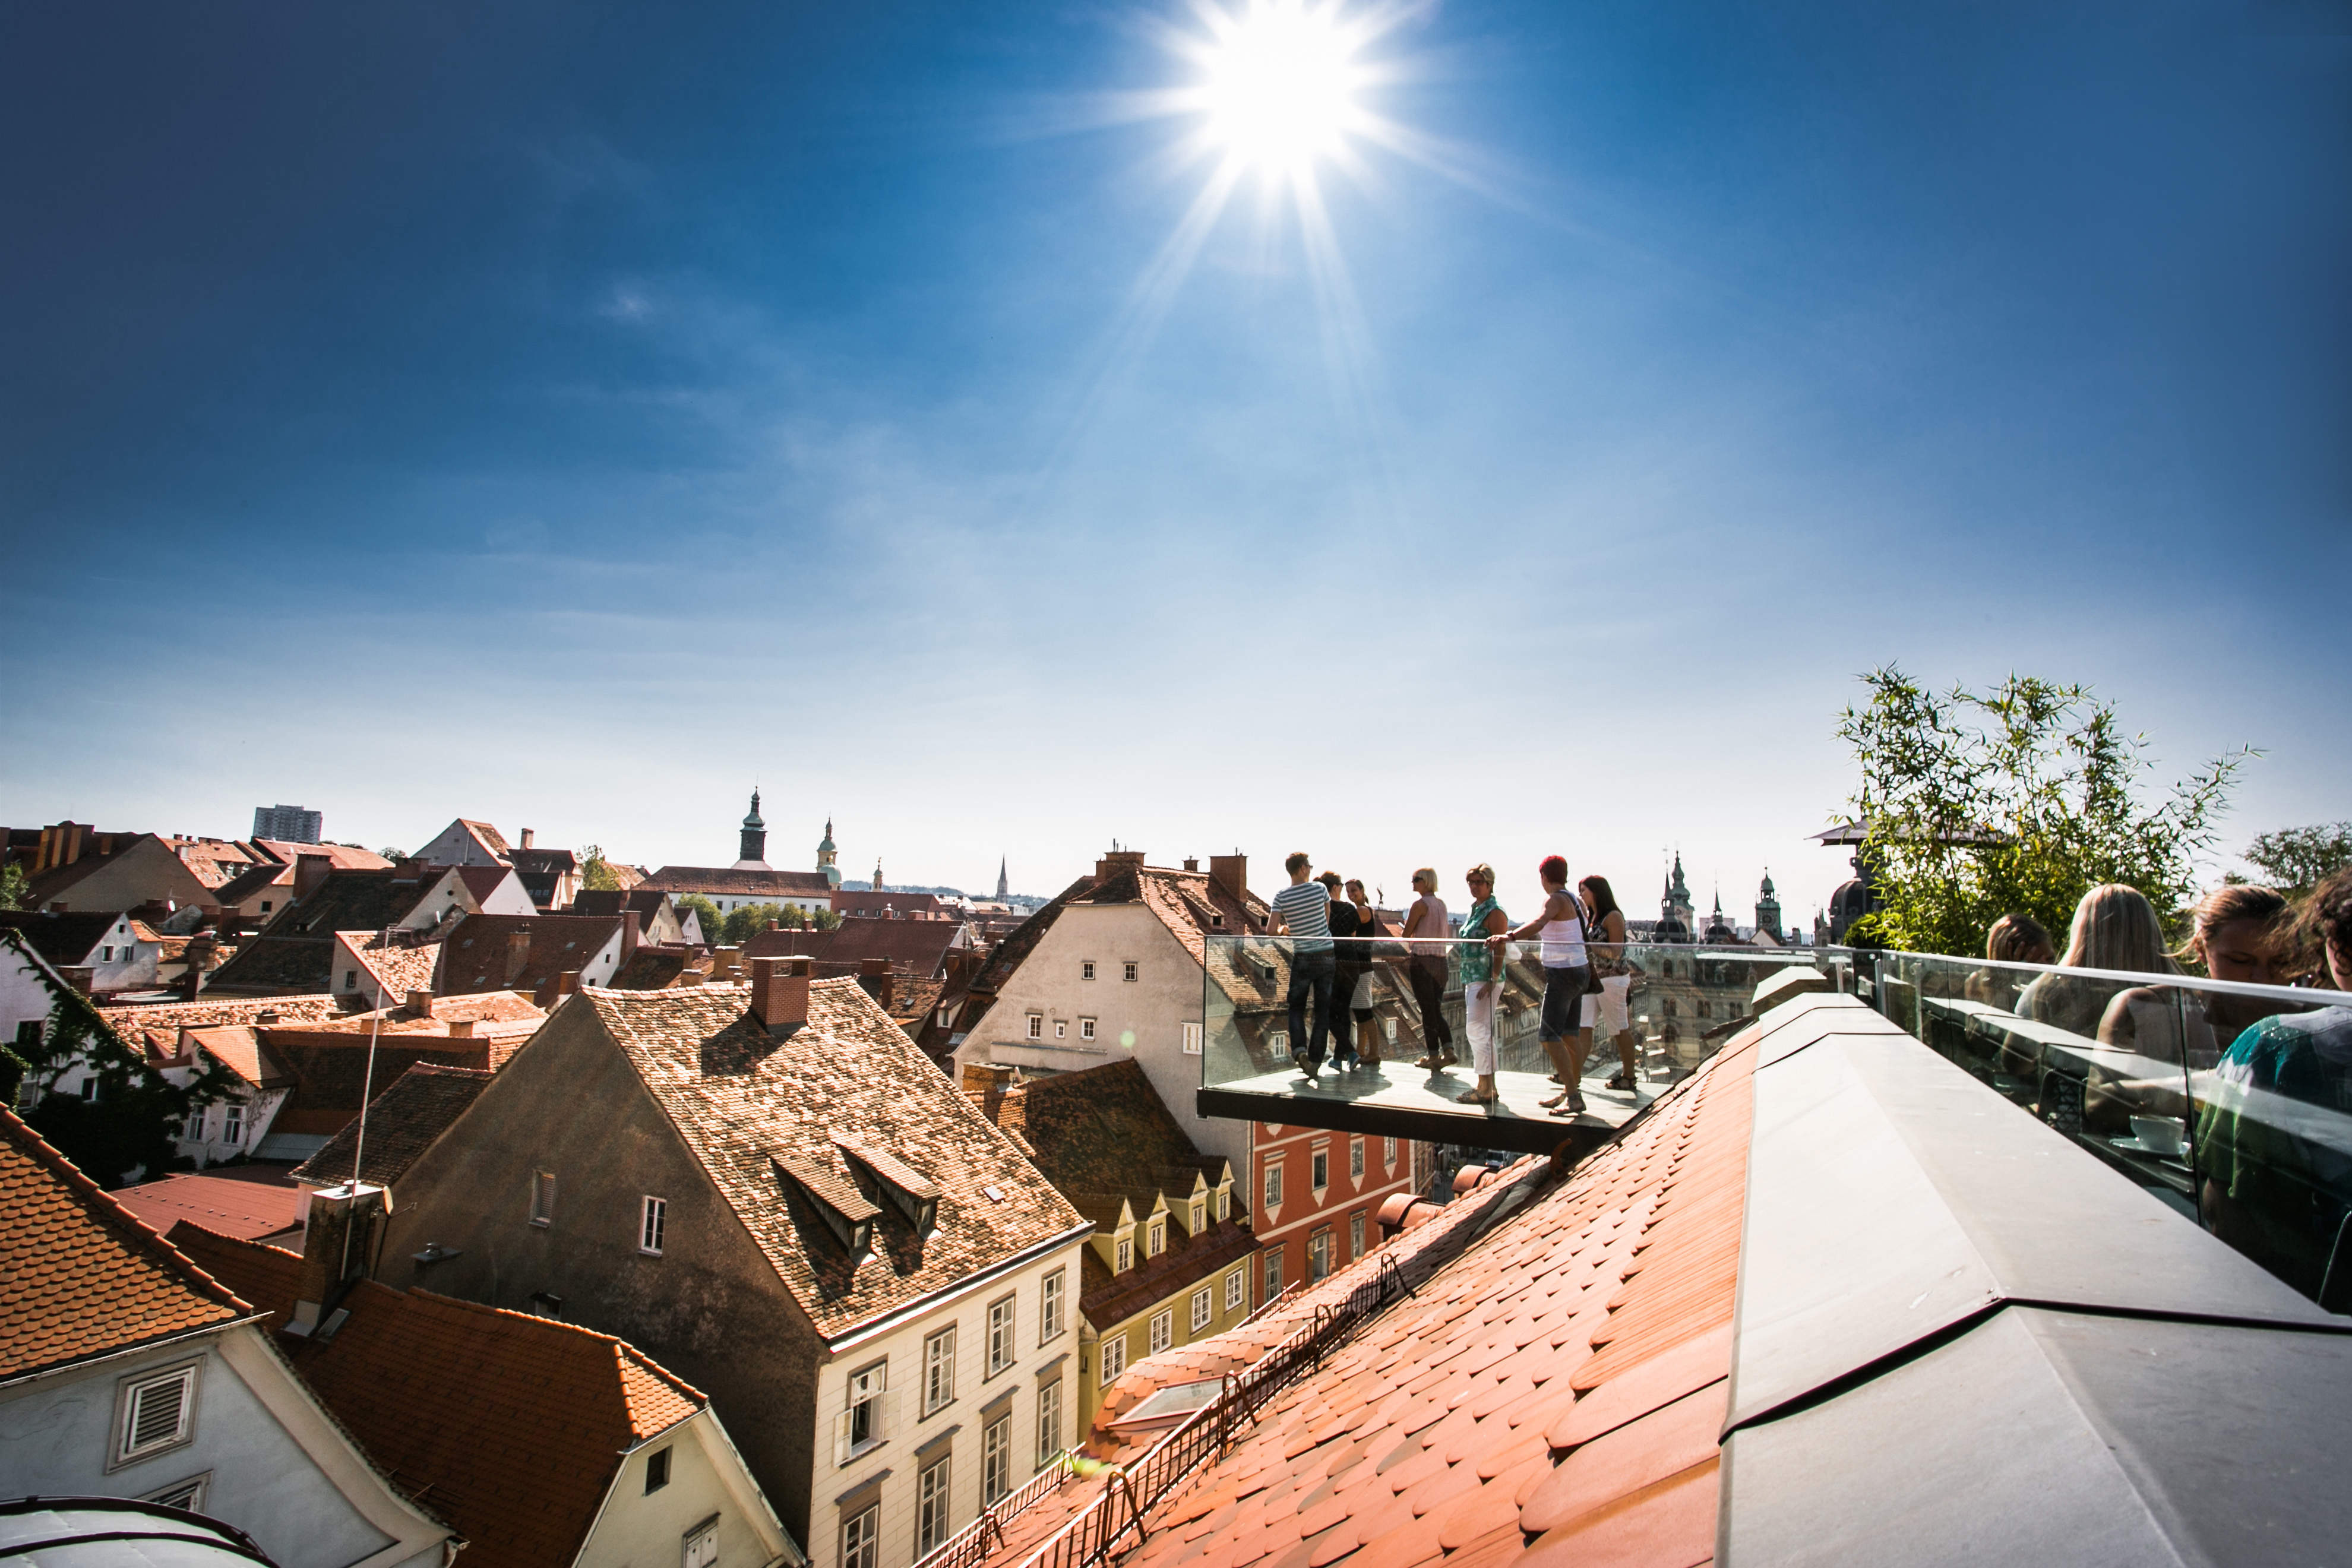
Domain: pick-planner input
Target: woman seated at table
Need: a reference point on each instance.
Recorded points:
(2114, 928)
(2274, 1143)
(2015, 938)
(2236, 936)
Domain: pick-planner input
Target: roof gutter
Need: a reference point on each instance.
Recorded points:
(899, 1316)
(85, 1363)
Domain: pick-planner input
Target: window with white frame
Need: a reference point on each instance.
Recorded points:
(1355, 1235)
(1225, 1203)
(1049, 1421)
(1278, 1042)
(939, 1370)
(1191, 1039)
(1061, 1028)
(931, 1506)
(1130, 970)
(1123, 1252)
(1155, 1237)
(1388, 1154)
(862, 1426)
(653, 1216)
(1001, 1350)
(1273, 1275)
(1273, 1181)
(1114, 1358)
(156, 1411)
(1049, 1307)
(1200, 1216)
(1087, 969)
(1204, 1307)
(1356, 1158)
(1036, 1026)
(193, 1130)
(860, 1532)
(233, 1124)
(1085, 1028)
(1163, 1329)
(1319, 1256)
(543, 1197)
(1237, 1289)
(996, 1460)
(1319, 1169)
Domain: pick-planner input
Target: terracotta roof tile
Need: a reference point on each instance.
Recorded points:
(1563, 1376)
(79, 1276)
(506, 1425)
(232, 1207)
(480, 954)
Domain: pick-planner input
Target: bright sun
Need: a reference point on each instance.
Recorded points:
(1280, 82)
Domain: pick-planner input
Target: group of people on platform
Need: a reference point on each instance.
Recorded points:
(1580, 938)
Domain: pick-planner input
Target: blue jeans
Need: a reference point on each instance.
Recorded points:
(1310, 986)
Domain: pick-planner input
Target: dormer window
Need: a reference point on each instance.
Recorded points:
(904, 1188)
(1200, 1216)
(1126, 1254)
(845, 1211)
(1155, 1237)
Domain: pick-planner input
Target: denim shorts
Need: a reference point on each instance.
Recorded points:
(1562, 1001)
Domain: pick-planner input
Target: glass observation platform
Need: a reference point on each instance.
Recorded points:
(1679, 1003)
(2228, 1104)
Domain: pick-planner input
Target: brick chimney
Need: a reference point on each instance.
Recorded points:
(529, 836)
(874, 979)
(779, 993)
(987, 1084)
(1191, 862)
(517, 954)
(1117, 859)
(421, 1003)
(337, 1243)
(1230, 872)
(309, 870)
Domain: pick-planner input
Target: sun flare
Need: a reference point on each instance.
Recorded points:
(1279, 84)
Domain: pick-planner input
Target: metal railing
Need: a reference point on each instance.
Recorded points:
(972, 1545)
(1115, 1519)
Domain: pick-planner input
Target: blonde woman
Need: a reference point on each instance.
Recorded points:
(1481, 980)
(2114, 928)
(1425, 933)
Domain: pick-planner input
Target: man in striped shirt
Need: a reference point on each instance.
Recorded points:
(1303, 910)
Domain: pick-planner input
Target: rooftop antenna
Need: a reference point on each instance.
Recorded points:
(367, 1086)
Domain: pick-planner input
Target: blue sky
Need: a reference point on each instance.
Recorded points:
(567, 414)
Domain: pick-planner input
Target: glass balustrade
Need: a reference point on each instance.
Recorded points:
(2231, 1104)
(1398, 1012)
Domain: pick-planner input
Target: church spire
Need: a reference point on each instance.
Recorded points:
(1003, 888)
(754, 847)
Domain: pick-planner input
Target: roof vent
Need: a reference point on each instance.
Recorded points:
(913, 1194)
(844, 1210)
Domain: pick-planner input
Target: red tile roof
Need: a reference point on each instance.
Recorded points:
(1554, 1395)
(506, 1425)
(740, 884)
(80, 1277)
(238, 1208)
(478, 955)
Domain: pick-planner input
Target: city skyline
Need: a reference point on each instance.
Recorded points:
(588, 416)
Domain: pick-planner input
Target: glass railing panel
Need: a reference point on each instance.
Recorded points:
(1661, 1010)
(2229, 1104)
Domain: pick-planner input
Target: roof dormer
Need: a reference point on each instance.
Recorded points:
(904, 1188)
(846, 1211)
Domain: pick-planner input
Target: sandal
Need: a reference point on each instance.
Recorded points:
(1560, 1099)
(1432, 1063)
(1474, 1098)
(1617, 1081)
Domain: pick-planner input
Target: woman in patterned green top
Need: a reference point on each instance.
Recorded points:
(1481, 980)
